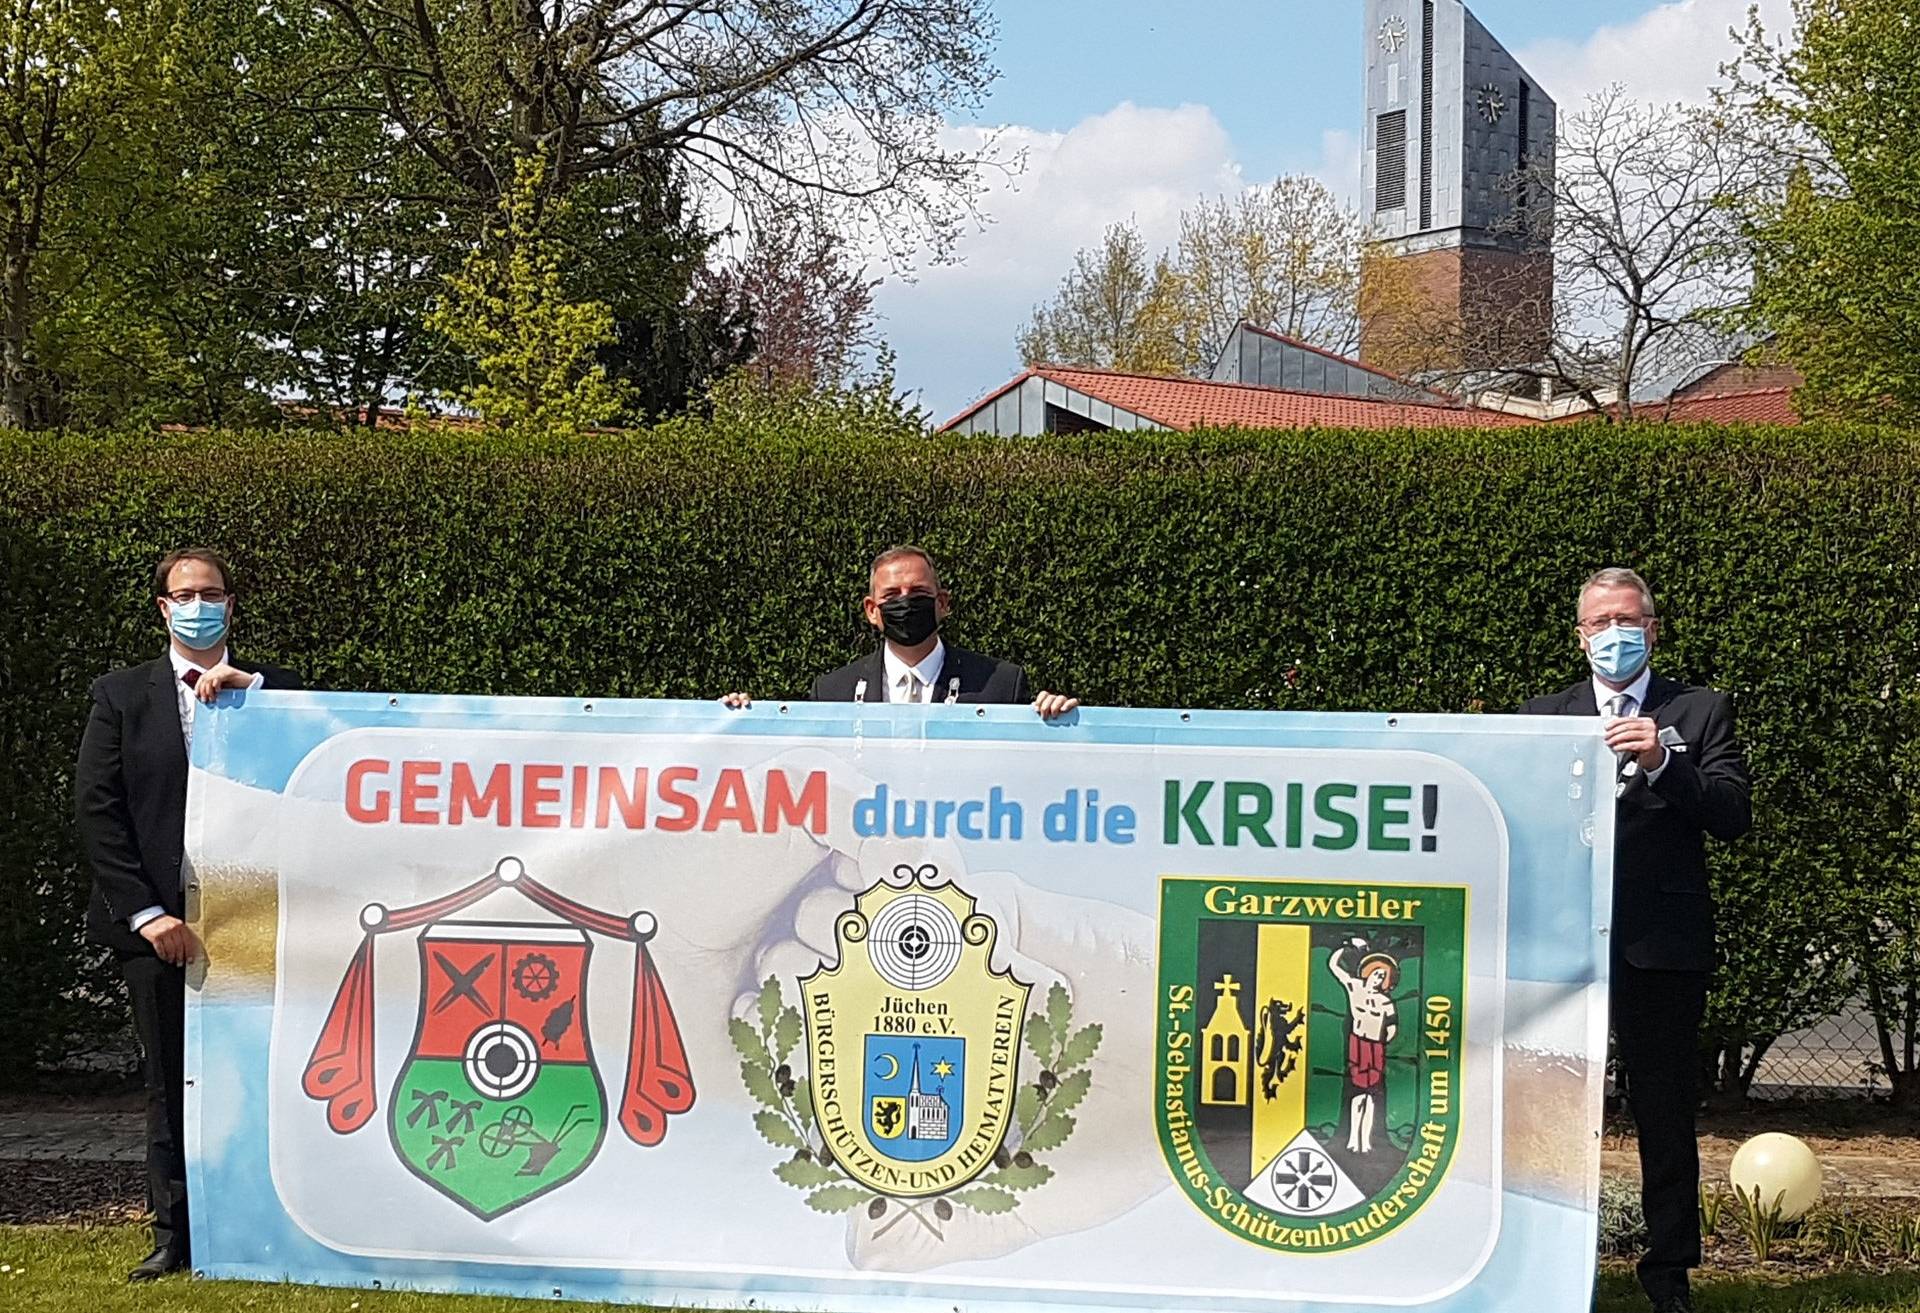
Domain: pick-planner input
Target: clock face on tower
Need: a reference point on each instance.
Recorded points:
(1393, 35)
(1492, 105)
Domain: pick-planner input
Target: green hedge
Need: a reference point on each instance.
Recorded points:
(1326, 570)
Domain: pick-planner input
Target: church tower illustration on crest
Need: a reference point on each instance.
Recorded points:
(926, 1113)
(1452, 120)
(1225, 1059)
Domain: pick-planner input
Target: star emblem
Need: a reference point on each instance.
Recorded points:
(943, 1068)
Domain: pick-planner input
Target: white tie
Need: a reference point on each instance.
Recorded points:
(910, 682)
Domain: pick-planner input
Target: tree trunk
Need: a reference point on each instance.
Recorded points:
(16, 393)
(1723, 1089)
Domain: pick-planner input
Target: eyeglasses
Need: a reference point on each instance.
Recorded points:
(1596, 624)
(185, 595)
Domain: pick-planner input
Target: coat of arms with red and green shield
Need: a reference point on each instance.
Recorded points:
(500, 1100)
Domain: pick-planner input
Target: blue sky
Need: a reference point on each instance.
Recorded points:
(1135, 108)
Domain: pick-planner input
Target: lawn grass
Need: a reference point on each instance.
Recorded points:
(53, 1269)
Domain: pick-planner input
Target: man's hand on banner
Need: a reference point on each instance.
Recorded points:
(172, 941)
(737, 701)
(1052, 706)
(1638, 737)
(208, 686)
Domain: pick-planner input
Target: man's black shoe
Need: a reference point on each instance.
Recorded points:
(162, 1261)
(1678, 1302)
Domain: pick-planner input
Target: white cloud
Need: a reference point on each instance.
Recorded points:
(1339, 164)
(953, 327)
(1669, 54)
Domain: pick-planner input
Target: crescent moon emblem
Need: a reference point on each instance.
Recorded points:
(893, 1064)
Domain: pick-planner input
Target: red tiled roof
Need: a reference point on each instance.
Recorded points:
(1725, 380)
(1760, 406)
(1186, 403)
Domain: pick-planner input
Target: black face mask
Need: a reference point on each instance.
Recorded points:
(909, 619)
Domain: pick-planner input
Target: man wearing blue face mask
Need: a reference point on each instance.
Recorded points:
(130, 798)
(1680, 777)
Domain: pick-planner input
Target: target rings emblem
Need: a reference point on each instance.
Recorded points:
(915, 942)
(502, 1060)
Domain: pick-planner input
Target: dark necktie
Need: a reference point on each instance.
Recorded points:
(190, 677)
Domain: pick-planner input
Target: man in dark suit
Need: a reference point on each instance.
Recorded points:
(1681, 777)
(906, 604)
(130, 798)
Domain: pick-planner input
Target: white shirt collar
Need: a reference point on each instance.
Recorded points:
(181, 665)
(1637, 690)
(928, 669)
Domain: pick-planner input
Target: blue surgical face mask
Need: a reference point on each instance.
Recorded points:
(200, 625)
(1619, 652)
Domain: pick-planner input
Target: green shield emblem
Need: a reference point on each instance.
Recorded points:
(1310, 1050)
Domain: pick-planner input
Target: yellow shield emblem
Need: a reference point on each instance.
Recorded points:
(889, 1116)
(913, 1038)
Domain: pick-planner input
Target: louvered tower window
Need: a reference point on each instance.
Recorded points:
(1426, 115)
(1390, 161)
(1526, 119)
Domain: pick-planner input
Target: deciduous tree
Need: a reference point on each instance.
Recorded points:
(1116, 309)
(1640, 207)
(533, 348)
(79, 84)
(1285, 257)
(812, 307)
(828, 108)
(1837, 281)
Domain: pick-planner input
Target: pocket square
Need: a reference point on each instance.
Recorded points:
(1670, 739)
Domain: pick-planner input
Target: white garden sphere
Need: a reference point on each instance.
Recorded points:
(1777, 1166)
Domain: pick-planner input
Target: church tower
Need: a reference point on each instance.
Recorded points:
(1226, 1059)
(1461, 277)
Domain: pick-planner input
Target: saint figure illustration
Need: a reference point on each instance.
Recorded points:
(1372, 1025)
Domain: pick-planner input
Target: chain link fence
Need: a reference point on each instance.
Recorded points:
(1837, 1057)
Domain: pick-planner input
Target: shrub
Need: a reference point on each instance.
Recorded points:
(1623, 1224)
(1295, 570)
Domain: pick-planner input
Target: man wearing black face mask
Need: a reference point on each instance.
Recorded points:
(906, 604)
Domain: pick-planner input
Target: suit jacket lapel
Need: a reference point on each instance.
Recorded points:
(1659, 693)
(164, 706)
(950, 662)
(1580, 699)
(874, 672)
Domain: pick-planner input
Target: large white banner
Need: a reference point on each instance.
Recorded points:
(842, 1007)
